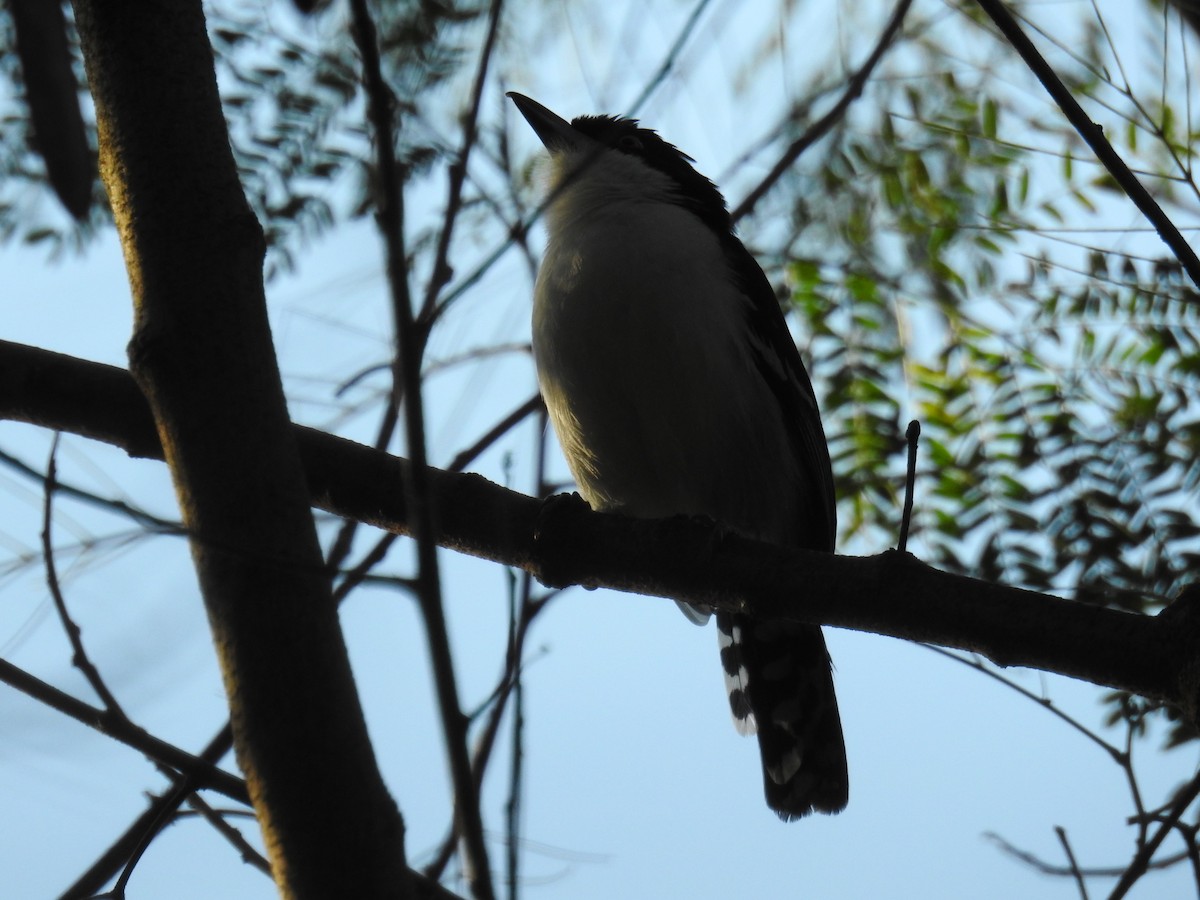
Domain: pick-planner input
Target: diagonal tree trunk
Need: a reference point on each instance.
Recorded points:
(201, 353)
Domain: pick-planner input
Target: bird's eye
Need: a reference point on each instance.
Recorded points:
(629, 144)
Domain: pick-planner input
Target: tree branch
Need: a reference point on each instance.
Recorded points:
(563, 542)
(204, 774)
(79, 654)
(202, 354)
(151, 820)
(1141, 861)
(822, 126)
(1094, 135)
(407, 382)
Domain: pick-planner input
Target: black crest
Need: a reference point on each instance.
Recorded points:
(695, 191)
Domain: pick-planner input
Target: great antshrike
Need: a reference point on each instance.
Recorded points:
(675, 388)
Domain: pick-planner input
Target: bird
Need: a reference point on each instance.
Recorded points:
(675, 388)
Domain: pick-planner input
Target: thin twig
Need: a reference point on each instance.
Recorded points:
(79, 656)
(1188, 832)
(521, 619)
(496, 705)
(1066, 845)
(522, 616)
(911, 435)
(1141, 860)
(441, 274)
(208, 776)
(512, 807)
(518, 235)
(362, 569)
(216, 819)
(390, 216)
(672, 55)
(1093, 134)
(150, 522)
(1134, 790)
(821, 127)
(120, 851)
(1060, 871)
(518, 415)
(163, 812)
(1117, 756)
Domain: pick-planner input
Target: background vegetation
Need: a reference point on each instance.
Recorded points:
(951, 251)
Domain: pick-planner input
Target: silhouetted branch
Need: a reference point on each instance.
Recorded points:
(457, 174)
(518, 415)
(818, 130)
(1093, 134)
(147, 521)
(79, 656)
(1073, 865)
(563, 542)
(418, 494)
(1121, 759)
(522, 611)
(672, 54)
(202, 355)
(1142, 861)
(216, 819)
(912, 434)
(1061, 871)
(151, 820)
(122, 730)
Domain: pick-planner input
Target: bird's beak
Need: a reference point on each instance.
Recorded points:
(555, 132)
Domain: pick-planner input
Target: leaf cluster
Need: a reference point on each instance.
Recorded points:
(292, 98)
(967, 277)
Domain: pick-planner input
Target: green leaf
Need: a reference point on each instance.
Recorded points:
(990, 115)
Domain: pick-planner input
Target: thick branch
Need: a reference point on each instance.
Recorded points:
(562, 542)
(202, 354)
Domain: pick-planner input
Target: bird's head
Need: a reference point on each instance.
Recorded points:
(614, 159)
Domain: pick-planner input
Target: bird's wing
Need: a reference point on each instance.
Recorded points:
(781, 367)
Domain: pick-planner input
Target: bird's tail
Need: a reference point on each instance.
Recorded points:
(781, 686)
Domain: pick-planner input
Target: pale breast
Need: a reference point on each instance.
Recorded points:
(643, 357)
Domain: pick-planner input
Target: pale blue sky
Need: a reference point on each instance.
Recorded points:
(637, 784)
